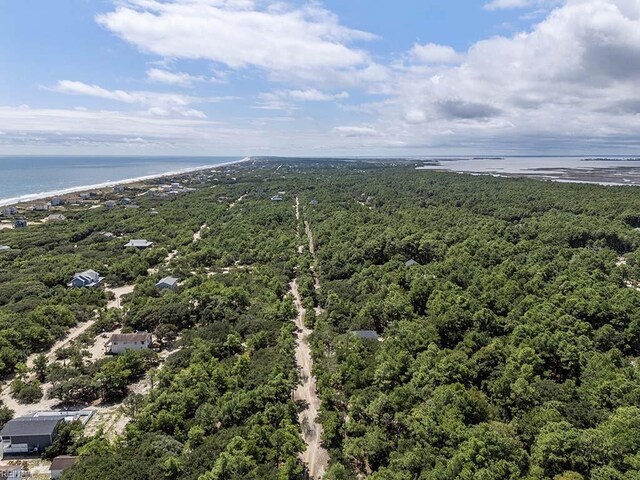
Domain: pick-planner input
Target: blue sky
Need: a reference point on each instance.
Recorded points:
(356, 77)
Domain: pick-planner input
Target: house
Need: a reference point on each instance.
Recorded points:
(110, 204)
(132, 206)
(366, 334)
(125, 201)
(4, 248)
(107, 234)
(86, 279)
(276, 198)
(9, 211)
(56, 202)
(141, 244)
(56, 217)
(410, 263)
(119, 342)
(20, 223)
(60, 464)
(27, 435)
(84, 196)
(41, 207)
(13, 471)
(168, 283)
(313, 203)
(118, 188)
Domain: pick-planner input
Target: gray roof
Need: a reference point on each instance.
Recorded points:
(30, 426)
(129, 337)
(366, 334)
(4, 247)
(411, 263)
(170, 281)
(139, 243)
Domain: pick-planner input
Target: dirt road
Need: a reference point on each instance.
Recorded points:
(315, 456)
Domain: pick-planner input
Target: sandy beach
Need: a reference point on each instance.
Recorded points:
(100, 187)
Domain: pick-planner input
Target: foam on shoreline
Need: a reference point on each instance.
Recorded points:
(110, 183)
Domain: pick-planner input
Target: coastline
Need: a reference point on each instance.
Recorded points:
(30, 197)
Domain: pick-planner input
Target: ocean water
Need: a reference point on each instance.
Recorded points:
(25, 178)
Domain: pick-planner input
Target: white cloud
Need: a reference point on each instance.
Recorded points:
(173, 78)
(163, 104)
(435, 54)
(571, 82)
(287, 41)
(356, 131)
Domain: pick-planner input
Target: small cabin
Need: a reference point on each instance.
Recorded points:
(139, 243)
(20, 223)
(168, 283)
(86, 279)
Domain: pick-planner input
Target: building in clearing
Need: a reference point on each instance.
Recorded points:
(4, 248)
(168, 283)
(410, 263)
(55, 217)
(119, 342)
(20, 223)
(9, 211)
(110, 203)
(27, 435)
(141, 243)
(56, 202)
(60, 464)
(14, 472)
(366, 334)
(86, 279)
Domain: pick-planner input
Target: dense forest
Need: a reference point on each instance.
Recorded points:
(507, 311)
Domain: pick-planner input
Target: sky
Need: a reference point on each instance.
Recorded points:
(332, 77)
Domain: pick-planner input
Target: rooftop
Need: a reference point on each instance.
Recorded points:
(63, 462)
(139, 243)
(129, 337)
(366, 334)
(30, 426)
(168, 281)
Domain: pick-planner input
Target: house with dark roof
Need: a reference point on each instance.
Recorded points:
(20, 223)
(366, 334)
(27, 435)
(86, 279)
(119, 342)
(141, 244)
(9, 211)
(60, 464)
(168, 283)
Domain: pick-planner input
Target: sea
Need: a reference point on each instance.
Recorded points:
(25, 178)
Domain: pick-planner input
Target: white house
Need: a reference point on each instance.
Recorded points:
(86, 279)
(119, 342)
(139, 243)
(4, 248)
(168, 283)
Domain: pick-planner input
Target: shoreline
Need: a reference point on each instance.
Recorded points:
(30, 197)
